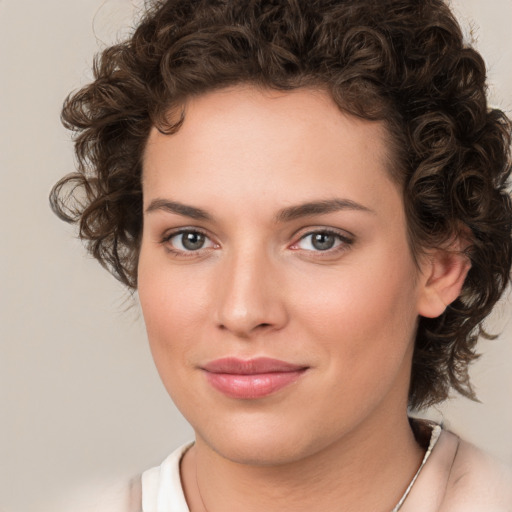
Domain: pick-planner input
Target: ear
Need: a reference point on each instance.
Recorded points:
(443, 274)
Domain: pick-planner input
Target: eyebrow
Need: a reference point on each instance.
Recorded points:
(319, 208)
(285, 215)
(178, 208)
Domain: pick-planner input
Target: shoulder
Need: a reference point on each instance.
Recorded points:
(458, 477)
(118, 496)
(477, 482)
(155, 488)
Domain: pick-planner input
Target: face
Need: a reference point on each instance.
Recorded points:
(275, 277)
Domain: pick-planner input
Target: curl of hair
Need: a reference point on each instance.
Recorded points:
(403, 62)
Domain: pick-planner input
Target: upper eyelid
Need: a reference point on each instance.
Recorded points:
(166, 237)
(168, 234)
(346, 239)
(302, 233)
(330, 231)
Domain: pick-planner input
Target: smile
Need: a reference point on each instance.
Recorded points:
(255, 378)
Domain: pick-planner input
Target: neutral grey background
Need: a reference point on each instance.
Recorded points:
(80, 401)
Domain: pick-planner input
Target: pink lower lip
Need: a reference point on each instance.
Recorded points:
(257, 385)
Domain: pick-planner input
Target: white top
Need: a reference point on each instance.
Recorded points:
(455, 476)
(161, 486)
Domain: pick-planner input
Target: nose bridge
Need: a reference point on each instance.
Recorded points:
(248, 295)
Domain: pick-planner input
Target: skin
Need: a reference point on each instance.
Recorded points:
(260, 287)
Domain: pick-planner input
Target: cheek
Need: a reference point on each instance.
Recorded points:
(366, 342)
(364, 316)
(174, 308)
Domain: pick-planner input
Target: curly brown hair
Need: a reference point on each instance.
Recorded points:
(403, 62)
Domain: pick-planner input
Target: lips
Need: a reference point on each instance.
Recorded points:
(251, 379)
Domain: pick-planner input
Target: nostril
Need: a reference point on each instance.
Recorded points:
(243, 332)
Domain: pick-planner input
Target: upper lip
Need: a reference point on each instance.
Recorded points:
(255, 366)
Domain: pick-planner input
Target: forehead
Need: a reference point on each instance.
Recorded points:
(249, 141)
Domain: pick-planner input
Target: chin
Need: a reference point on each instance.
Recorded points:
(265, 442)
(269, 450)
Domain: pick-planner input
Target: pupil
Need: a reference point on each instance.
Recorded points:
(323, 241)
(192, 241)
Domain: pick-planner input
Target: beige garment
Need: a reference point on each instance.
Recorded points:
(457, 477)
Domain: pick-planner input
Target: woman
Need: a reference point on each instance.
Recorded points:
(310, 199)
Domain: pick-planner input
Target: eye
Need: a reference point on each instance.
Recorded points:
(188, 241)
(322, 241)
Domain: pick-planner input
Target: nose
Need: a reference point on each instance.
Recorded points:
(249, 298)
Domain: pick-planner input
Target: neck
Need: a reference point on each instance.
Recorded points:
(368, 469)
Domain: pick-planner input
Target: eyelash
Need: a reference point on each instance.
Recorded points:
(345, 242)
(344, 245)
(177, 252)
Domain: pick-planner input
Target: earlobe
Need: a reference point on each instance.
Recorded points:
(444, 273)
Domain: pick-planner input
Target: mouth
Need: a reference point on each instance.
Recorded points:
(251, 379)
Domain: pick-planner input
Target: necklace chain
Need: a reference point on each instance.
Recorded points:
(199, 492)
